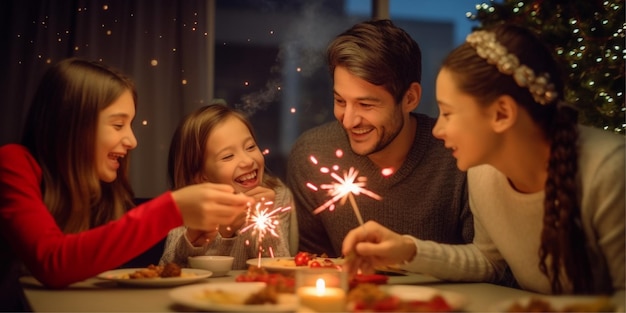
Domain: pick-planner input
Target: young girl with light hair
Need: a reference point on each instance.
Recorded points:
(216, 143)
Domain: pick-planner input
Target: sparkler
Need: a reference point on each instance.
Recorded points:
(262, 221)
(343, 188)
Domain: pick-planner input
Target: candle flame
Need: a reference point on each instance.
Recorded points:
(320, 286)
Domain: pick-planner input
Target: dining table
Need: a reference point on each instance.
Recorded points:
(98, 295)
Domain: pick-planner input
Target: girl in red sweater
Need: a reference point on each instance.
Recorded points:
(64, 191)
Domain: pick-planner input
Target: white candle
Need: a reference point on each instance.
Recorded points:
(321, 298)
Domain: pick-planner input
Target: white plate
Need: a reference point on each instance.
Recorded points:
(557, 303)
(189, 275)
(273, 265)
(194, 297)
(419, 293)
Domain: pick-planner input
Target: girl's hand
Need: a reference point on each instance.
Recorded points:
(206, 206)
(228, 231)
(199, 238)
(261, 194)
(373, 245)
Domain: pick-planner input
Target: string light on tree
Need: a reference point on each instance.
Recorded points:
(588, 38)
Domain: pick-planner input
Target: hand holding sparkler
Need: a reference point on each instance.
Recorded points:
(199, 238)
(228, 231)
(375, 248)
(260, 194)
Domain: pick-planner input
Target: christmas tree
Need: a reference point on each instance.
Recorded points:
(587, 36)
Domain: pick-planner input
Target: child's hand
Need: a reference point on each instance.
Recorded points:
(258, 194)
(206, 206)
(198, 238)
(372, 245)
(261, 194)
(228, 231)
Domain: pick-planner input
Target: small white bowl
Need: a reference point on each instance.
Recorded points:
(218, 264)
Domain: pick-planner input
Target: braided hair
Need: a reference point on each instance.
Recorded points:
(560, 253)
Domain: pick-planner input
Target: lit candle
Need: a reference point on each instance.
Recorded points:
(321, 298)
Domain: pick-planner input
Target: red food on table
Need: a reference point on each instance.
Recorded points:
(370, 298)
(302, 259)
(436, 304)
(283, 284)
(328, 263)
(376, 279)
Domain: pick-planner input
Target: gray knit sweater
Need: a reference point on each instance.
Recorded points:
(243, 246)
(425, 198)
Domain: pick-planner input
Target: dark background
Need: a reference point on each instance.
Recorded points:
(265, 57)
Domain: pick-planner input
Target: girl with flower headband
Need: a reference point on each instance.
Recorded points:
(547, 194)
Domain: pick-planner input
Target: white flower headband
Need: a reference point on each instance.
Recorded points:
(489, 49)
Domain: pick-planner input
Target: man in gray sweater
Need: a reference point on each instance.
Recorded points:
(376, 69)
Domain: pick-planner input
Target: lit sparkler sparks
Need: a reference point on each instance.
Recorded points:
(343, 188)
(261, 221)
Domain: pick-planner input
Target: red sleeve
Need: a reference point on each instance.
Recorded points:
(57, 259)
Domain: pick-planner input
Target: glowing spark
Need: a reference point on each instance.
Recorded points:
(261, 222)
(343, 188)
(387, 171)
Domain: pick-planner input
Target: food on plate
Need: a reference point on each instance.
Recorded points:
(222, 297)
(303, 259)
(276, 285)
(602, 304)
(170, 270)
(156, 271)
(282, 283)
(370, 298)
(266, 295)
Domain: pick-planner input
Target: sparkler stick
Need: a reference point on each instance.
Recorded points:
(357, 212)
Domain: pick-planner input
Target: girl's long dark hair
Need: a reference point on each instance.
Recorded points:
(60, 132)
